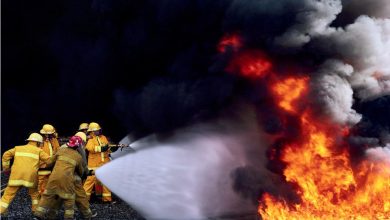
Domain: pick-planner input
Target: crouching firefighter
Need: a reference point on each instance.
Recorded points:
(81, 199)
(24, 170)
(61, 181)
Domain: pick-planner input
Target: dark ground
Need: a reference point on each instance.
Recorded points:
(20, 208)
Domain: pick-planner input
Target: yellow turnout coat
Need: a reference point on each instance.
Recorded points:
(61, 180)
(25, 166)
(96, 157)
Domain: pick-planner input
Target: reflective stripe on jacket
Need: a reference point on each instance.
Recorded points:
(50, 146)
(96, 157)
(26, 163)
(61, 181)
(81, 151)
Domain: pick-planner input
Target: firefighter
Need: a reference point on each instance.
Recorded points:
(98, 149)
(50, 146)
(81, 199)
(83, 127)
(24, 170)
(60, 187)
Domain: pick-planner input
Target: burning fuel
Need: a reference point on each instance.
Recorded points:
(314, 73)
(328, 185)
(291, 86)
(327, 182)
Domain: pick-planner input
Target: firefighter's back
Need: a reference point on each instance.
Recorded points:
(25, 165)
(61, 181)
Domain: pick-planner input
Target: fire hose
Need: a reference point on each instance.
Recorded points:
(120, 146)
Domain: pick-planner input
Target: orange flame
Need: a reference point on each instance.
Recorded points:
(329, 187)
(288, 91)
(252, 63)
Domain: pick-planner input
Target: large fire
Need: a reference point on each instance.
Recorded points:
(318, 162)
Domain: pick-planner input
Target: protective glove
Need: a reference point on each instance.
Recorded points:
(104, 148)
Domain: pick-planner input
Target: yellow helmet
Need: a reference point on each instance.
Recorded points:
(47, 129)
(93, 126)
(82, 135)
(83, 126)
(35, 137)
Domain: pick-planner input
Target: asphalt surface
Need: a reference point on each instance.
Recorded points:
(20, 208)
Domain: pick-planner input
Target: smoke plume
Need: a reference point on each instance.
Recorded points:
(146, 67)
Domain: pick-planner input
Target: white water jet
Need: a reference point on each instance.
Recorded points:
(186, 176)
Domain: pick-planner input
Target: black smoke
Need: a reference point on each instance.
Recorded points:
(152, 66)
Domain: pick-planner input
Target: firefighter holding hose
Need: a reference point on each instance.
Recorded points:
(99, 150)
(68, 161)
(81, 199)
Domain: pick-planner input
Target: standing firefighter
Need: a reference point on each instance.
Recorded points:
(50, 146)
(81, 197)
(98, 149)
(60, 187)
(24, 170)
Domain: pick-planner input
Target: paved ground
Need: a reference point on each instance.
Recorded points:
(20, 208)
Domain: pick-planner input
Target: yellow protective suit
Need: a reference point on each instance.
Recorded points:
(23, 172)
(61, 183)
(50, 146)
(81, 199)
(96, 158)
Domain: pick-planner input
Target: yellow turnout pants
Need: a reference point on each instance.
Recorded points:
(52, 203)
(81, 201)
(89, 184)
(42, 182)
(9, 195)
